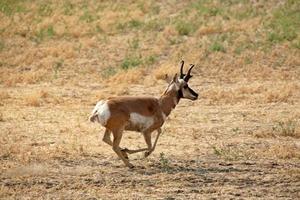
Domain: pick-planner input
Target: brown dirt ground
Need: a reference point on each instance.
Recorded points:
(240, 140)
(52, 151)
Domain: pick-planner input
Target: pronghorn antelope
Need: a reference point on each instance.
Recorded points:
(141, 114)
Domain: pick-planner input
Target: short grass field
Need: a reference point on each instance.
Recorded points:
(239, 140)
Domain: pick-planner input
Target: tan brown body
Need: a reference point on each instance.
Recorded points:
(122, 107)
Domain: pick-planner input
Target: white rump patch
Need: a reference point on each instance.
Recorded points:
(141, 121)
(101, 112)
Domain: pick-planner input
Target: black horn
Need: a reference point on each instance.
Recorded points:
(188, 75)
(181, 70)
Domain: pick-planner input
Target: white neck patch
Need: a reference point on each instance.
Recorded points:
(164, 115)
(172, 86)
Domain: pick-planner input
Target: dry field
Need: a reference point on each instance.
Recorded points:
(240, 140)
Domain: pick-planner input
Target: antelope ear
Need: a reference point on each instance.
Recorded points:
(168, 78)
(175, 78)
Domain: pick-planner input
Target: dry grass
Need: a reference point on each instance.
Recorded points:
(4, 95)
(38, 98)
(239, 140)
(33, 100)
(254, 93)
(165, 72)
(11, 78)
(284, 151)
(1, 117)
(131, 76)
(284, 128)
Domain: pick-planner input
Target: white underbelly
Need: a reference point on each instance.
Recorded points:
(140, 122)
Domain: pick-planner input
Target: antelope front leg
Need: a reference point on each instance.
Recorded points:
(148, 141)
(116, 142)
(147, 136)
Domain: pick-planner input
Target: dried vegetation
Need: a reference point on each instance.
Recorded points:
(239, 140)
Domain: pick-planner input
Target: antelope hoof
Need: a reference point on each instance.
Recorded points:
(125, 156)
(130, 166)
(124, 153)
(147, 153)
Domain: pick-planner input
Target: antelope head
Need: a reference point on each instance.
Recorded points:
(181, 84)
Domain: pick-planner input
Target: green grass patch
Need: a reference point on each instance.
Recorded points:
(108, 72)
(184, 27)
(240, 9)
(218, 42)
(57, 67)
(45, 9)
(203, 9)
(285, 23)
(9, 7)
(45, 33)
(135, 23)
(153, 10)
(99, 29)
(134, 43)
(130, 25)
(131, 62)
(239, 49)
(175, 40)
(87, 17)
(154, 25)
(248, 61)
(246, 12)
(68, 8)
(150, 60)
(217, 46)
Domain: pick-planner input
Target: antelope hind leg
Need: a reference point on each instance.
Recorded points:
(125, 150)
(106, 138)
(117, 149)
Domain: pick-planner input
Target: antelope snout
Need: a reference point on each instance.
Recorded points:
(195, 97)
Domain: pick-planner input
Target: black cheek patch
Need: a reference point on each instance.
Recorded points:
(193, 92)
